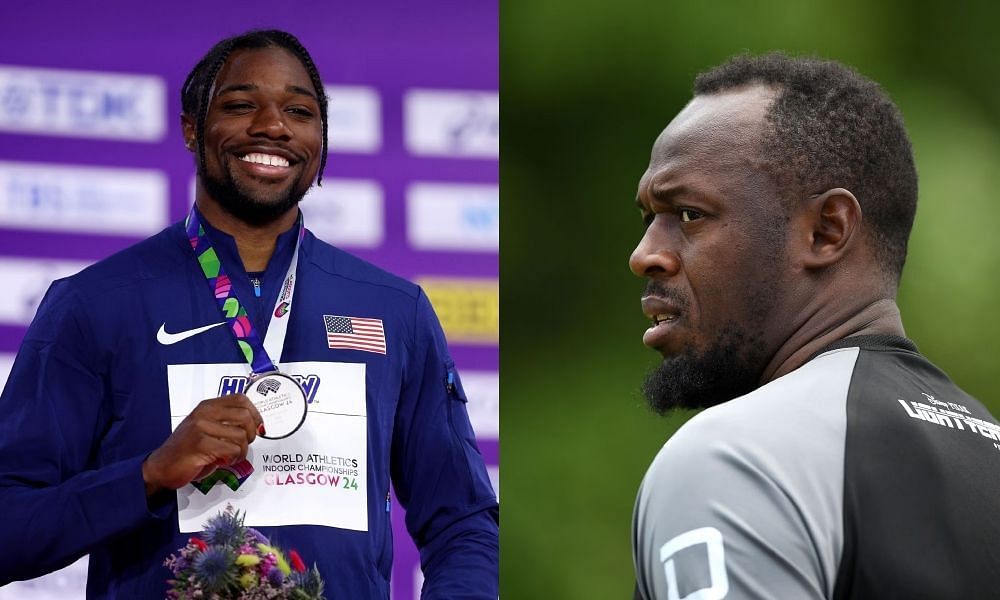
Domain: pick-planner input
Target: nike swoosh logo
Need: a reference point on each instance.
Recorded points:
(172, 338)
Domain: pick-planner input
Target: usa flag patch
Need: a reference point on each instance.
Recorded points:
(354, 333)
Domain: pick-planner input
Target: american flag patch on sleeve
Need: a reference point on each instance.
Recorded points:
(354, 333)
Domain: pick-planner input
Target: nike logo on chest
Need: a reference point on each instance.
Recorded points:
(172, 338)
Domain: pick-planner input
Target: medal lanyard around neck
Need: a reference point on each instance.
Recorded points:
(258, 355)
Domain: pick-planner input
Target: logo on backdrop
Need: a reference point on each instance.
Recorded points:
(442, 216)
(347, 212)
(457, 123)
(82, 199)
(469, 308)
(482, 388)
(25, 281)
(354, 116)
(82, 103)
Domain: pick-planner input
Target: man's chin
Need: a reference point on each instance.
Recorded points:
(248, 205)
(695, 380)
(675, 385)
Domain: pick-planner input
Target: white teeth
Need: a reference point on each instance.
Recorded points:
(265, 159)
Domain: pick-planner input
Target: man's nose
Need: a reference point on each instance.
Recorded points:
(269, 121)
(653, 256)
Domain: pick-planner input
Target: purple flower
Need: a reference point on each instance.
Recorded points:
(224, 529)
(213, 569)
(275, 577)
(177, 563)
(255, 537)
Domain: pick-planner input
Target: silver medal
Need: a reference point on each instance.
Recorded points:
(280, 401)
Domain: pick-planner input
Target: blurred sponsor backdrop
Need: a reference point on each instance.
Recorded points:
(587, 87)
(92, 160)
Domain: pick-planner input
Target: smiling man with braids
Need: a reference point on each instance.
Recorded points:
(131, 412)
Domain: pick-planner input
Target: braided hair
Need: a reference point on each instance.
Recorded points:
(198, 85)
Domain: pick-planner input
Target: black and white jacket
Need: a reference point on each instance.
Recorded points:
(865, 473)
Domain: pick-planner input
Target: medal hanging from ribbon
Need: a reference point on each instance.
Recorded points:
(279, 399)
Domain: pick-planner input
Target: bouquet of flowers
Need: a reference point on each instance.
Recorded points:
(234, 562)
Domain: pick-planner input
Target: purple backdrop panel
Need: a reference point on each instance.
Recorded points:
(92, 160)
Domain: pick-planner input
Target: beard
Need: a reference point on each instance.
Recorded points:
(729, 366)
(243, 204)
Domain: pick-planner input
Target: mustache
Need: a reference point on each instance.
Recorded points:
(657, 289)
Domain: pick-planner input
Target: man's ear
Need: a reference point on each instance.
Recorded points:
(188, 128)
(832, 225)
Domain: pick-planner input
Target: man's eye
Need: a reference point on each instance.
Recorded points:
(237, 106)
(302, 112)
(687, 215)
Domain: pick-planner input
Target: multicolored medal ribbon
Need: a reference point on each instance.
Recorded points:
(279, 398)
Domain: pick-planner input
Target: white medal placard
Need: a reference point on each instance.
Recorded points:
(318, 476)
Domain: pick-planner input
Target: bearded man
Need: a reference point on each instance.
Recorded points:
(833, 460)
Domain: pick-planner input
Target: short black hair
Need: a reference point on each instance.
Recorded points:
(831, 127)
(195, 91)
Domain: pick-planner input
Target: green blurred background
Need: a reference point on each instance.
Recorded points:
(586, 87)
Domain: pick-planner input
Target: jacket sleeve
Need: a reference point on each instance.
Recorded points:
(439, 475)
(57, 504)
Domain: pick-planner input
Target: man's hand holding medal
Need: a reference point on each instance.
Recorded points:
(215, 437)
(216, 433)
